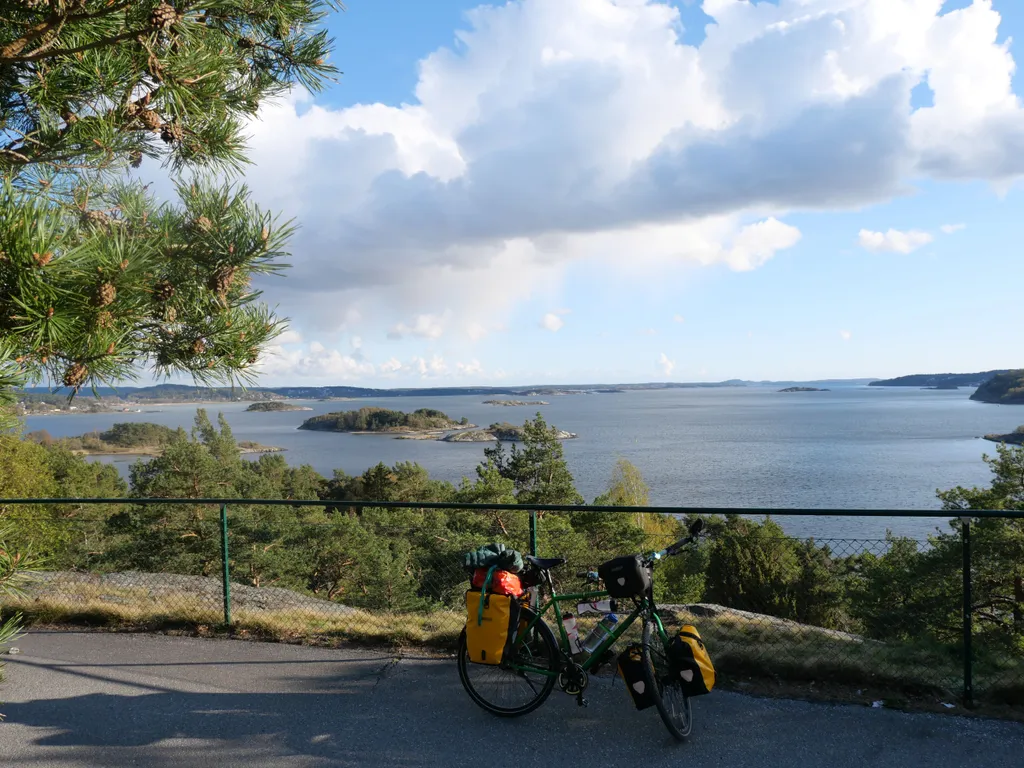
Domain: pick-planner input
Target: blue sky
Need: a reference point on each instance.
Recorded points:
(612, 190)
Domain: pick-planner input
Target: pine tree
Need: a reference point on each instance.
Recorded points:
(98, 280)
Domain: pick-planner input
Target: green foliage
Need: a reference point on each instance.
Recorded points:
(379, 420)
(134, 434)
(537, 468)
(100, 85)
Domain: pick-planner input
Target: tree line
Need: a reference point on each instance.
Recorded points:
(408, 559)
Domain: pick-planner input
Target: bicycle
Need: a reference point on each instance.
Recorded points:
(537, 661)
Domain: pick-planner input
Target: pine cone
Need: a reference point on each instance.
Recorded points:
(163, 16)
(151, 119)
(76, 376)
(246, 42)
(170, 314)
(110, 348)
(96, 218)
(163, 291)
(171, 132)
(198, 347)
(203, 224)
(135, 159)
(105, 295)
(220, 281)
(105, 320)
(42, 259)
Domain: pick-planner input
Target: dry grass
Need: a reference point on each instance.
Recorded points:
(748, 651)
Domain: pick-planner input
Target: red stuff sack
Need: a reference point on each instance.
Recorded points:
(502, 582)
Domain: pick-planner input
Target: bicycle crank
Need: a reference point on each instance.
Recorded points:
(574, 681)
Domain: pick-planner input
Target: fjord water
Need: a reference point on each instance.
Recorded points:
(852, 447)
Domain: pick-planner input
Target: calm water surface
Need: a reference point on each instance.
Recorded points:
(853, 447)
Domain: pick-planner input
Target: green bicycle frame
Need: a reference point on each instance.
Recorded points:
(577, 597)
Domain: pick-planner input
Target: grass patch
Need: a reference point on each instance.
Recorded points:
(751, 653)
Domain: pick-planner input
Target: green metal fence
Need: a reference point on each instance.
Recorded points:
(941, 621)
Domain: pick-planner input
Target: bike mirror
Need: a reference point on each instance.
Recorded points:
(696, 526)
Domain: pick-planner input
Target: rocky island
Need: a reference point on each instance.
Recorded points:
(504, 431)
(803, 389)
(272, 406)
(1014, 438)
(423, 424)
(516, 402)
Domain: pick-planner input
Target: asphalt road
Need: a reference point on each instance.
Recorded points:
(80, 699)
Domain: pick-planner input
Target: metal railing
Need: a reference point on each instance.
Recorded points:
(876, 615)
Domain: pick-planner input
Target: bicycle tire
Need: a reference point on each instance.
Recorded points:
(543, 645)
(672, 704)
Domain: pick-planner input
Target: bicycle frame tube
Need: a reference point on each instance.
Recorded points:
(620, 629)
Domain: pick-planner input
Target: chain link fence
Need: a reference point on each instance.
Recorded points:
(864, 615)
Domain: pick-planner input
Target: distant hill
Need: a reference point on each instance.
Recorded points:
(1005, 389)
(944, 380)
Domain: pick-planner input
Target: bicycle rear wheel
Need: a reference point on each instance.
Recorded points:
(673, 705)
(508, 692)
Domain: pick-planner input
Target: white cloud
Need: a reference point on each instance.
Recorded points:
(425, 327)
(472, 368)
(552, 322)
(666, 364)
(894, 240)
(390, 367)
(679, 319)
(949, 229)
(555, 132)
(434, 367)
(845, 335)
(314, 362)
(649, 331)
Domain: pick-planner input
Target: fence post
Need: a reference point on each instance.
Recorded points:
(533, 532)
(226, 562)
(965, 536)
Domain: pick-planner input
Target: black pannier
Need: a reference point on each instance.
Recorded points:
(625, 576)
(631, 668)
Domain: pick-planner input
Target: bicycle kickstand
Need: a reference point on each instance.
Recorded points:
(580, 701)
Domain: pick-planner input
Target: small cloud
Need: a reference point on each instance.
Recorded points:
(472, 368)
(424, 326)
(552, 322)
(289, 337)
(390, 367)
(893, 241)
(666, 364)
(357, 342)
(679, 319)
(436, 366)
(845, 335)
(949, 229)
(649, 332)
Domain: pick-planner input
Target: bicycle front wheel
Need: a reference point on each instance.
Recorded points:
(519, 685)
(673, 705)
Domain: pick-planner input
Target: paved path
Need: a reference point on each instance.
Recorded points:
(98, 700)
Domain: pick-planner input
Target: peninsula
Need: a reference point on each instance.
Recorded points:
(1002, 389)
(131, 439)
(422, 424)
(1014, 438)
